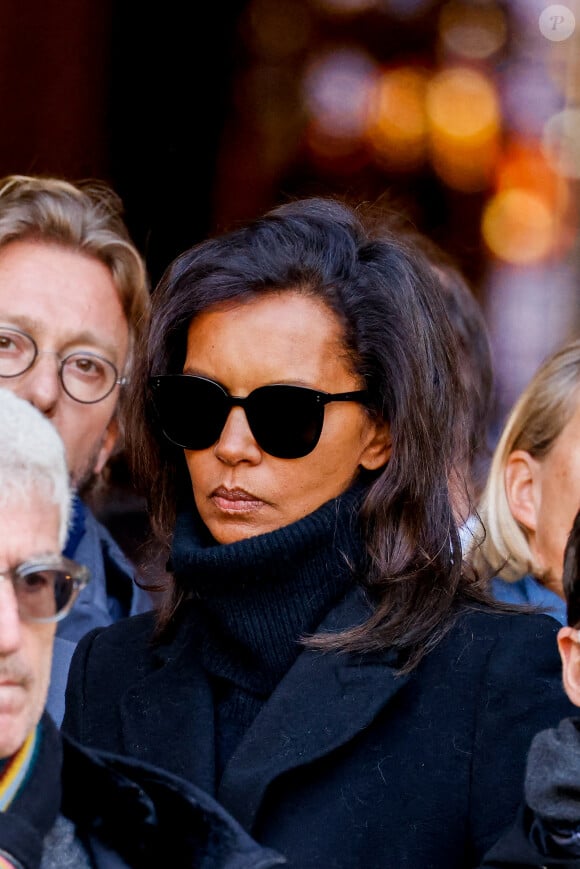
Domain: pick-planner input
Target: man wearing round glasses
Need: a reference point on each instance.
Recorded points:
(73, 302)
(61, 805)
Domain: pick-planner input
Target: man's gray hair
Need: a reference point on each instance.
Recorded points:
(32, 459)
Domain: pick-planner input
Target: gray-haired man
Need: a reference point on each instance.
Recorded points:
(61, 805)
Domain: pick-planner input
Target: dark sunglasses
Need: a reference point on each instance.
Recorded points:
(286, 421)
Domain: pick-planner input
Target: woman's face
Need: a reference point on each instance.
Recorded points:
(282, 338)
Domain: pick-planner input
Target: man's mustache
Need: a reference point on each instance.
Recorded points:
(14, 671)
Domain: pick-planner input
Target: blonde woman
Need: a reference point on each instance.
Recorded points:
(533, 490)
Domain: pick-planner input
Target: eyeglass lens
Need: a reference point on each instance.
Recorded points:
(45, 594)
(286, 421)
(85, 376)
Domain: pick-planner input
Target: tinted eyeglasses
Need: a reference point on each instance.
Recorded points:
(85, 376)
(286, 421)
(46, 589)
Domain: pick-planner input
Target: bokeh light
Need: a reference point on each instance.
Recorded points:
(337, 88)
(529, 97)
(464, 127)
(519, 227)
(397, 122)
(472, 30)
(524, 166)
(561, 142)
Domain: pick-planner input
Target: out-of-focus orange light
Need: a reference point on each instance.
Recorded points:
(464, 126)
(397, 123)
(462, 105)
(473, 30)
(519, 227)
(523, 166)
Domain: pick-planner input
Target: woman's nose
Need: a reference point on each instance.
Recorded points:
(236, 442)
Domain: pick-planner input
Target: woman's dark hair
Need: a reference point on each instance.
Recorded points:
(383, 291)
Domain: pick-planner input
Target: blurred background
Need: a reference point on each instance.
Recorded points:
(464, 115)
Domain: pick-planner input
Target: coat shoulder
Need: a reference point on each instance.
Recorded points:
(489, 628)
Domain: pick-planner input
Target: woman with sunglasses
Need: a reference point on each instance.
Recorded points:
(324, 667)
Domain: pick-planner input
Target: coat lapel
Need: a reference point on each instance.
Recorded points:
(167, 717)
(323, 702)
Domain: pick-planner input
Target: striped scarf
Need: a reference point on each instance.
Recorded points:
(16, 770)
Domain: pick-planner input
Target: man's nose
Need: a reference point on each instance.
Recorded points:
(10, 625)
(40, 385)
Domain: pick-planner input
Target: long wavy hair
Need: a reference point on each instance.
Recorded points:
(384, 293)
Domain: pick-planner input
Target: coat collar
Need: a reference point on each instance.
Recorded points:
(172, 704)
(322, 703)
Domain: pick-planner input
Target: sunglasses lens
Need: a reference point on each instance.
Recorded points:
(285, 420)
(192, 410)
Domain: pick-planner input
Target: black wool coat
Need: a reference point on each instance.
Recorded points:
(123, 814)
(348, 765)
(517, 849)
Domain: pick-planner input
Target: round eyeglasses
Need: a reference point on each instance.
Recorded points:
(86, 377)
(45, 589)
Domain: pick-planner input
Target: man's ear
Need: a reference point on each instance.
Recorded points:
(521, 478)
(107, 445)
(378, 449)
(569, 648)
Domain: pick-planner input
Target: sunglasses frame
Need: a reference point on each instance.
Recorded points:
(321, 400)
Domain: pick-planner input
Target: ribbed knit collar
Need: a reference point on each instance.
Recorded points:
(258, 597)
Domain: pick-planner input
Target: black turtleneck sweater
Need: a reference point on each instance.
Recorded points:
(254, 601)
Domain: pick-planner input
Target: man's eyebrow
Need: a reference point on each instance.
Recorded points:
(35, 327)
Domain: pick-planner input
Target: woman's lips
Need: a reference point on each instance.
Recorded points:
(235, 500)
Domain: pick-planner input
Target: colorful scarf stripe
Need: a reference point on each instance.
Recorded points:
(16, 771)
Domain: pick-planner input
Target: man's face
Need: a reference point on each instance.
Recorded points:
(29, 530)
(67, 302)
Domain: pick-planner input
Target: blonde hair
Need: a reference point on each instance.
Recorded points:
(534, 424)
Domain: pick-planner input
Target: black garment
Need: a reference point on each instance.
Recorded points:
(255, 599)
(547, 831)
(126, 814)
(347, 764)
(35, 807)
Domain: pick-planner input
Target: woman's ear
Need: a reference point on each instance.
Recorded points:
(521, 484)
(378, 449)
(569, 648)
